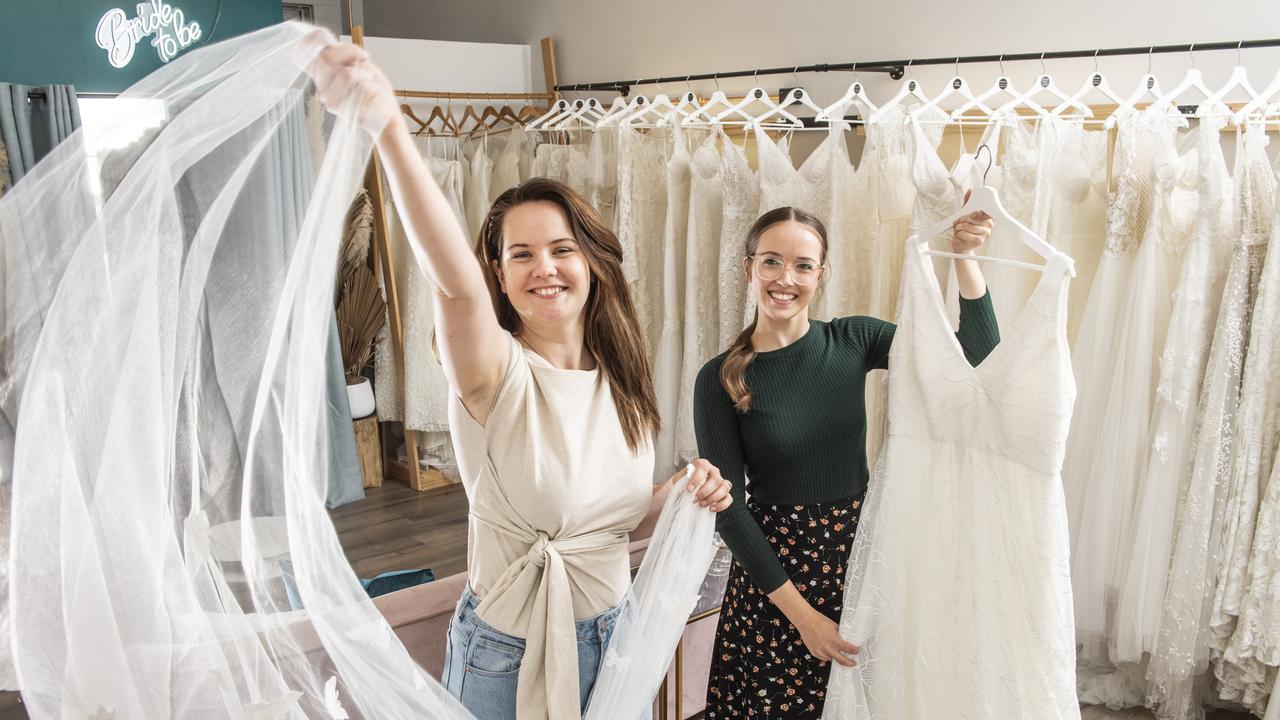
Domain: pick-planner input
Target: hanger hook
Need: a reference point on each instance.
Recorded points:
(1095, 59)
(1150, 50)
(1043, 71)
(990, 161)
(1001, 61)
(957, 66)
(855, 72)
(715, 78)
(1191, 52)
(1239, 57)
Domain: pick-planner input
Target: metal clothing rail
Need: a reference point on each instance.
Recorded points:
(897, 68)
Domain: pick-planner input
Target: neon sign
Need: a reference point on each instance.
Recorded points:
(170, 33)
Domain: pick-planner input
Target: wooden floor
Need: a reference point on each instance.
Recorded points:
(396, 528)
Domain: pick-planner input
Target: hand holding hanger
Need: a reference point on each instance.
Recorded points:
(969, 232)
(985, 200)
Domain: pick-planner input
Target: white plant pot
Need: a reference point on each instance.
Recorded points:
(360, 396)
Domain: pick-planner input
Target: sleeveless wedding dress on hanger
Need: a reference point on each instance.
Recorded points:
(426, 390)
(1144, 561)
(701, 339)
(1078, 207)
(1234, 635)
(740, 209)
(1182, 650)
(958, 591)
(1140, 138)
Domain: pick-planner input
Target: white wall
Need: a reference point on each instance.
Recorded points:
(598, 40)
(445, 66)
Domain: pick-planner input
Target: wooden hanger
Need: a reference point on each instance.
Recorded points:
(469, 113)
(422, 124)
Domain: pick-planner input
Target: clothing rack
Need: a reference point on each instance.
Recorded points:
(410, 471)
(897, 68)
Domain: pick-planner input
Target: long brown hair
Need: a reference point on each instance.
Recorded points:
(733, 371)
(612, 334)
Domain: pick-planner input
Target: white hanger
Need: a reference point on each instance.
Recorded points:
(705, 115)
(757, 94)
(614, 118)
(559, 107)
(1260, 102)
(648, 113)
(955, 86)
(1002, 85)
(619, 104)
(1147, 85)
(1044, 84)
(1095, 82)
(1239, 79)
(685, 108)
(660, 111)
(550, 123)
(910, 89)
(587, 112)
(985, 199)
(1191, 81)
(795, 96)
(799, 96)
(855, 94)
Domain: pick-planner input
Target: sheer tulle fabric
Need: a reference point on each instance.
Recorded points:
(165, 299)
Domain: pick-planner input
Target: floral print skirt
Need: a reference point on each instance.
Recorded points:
(760, 667)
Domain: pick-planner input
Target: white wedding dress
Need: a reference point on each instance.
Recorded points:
(1120, 340)
(675, 237)
(1241, 621)
(741, 203)
(888, 156)
(701, 290)
(1078, 207)
(959, 590)
(1145, 555)
(641, 216)
(1181, 652)
(426, 390)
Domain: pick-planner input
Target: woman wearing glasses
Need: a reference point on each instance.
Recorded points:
(781, 414)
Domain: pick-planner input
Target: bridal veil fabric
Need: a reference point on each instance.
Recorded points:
(167, 291)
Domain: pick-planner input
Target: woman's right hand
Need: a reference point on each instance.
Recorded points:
(351, 86)
(822, 637)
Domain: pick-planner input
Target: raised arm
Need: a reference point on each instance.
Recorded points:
(473, 347)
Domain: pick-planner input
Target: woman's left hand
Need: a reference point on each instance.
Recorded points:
(969, 232)
(708, 488)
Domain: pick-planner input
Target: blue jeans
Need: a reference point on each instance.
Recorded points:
(482, 665)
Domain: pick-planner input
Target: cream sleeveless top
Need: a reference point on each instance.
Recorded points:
(554, 491)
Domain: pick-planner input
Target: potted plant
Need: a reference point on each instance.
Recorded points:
(360, 307)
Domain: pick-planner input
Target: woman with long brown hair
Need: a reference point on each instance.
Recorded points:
(552, 415)
(781, 413)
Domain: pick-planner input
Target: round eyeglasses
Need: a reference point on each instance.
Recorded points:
(769, 268)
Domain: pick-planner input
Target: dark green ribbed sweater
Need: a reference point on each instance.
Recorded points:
(804, 439)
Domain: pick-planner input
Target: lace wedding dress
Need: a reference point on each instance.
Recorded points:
(1181, 651)
(426, 390)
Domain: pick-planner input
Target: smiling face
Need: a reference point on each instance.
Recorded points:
(792, 249)
(542, 270)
